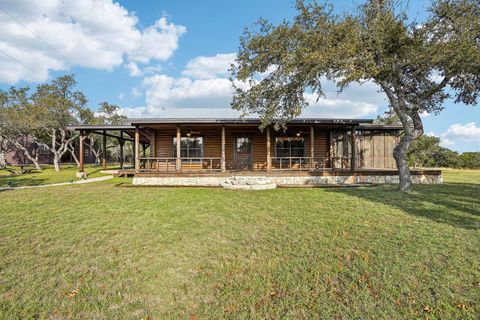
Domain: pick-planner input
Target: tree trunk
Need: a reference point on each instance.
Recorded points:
(27, 154)
(413, 128)
(3, 149)
(71, 149)
(56, 162)
(400, 151)
(3, 159)
(96, 153)
(400, 155)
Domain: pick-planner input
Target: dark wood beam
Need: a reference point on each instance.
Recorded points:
(82, 151)
(354, 151)
(223, 149)
(121, 142)
(111, 135)
(137, 150)
(269, 160)
(179, 163)
(104, 159)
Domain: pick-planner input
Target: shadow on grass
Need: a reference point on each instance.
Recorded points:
(456, 204)
(20, 181)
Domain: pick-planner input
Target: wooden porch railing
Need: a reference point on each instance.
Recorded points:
(192, 164)
(214, 164)
(309, 163)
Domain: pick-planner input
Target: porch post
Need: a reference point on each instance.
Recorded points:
(144, 150)
(153, 152)
(179, 154)
(137, 150)
(104, 160)
(354, 151)
(121, 142)
(312, 148)
(223, 148)
(269, 161)
(82, 151)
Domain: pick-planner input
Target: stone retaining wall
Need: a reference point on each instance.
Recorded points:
(263, 182)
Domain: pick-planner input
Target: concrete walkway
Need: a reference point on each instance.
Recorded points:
(60, 184)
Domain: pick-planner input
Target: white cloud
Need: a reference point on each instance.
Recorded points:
(96, 34)
(183, 92)
(204, 90)
(468, 131)
(209, 67)
(424, 114)
(133, 69)
(135, 93)
(158, 42)
(462, 135)
(339, 107)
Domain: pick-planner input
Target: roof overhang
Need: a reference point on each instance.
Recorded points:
(131, 124)
(379, 127)
(146, 121)
(100, 127)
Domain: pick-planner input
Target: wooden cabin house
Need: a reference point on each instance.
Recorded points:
(209, 151)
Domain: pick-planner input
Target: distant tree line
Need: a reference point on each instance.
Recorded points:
(41, 117)
(426, 151)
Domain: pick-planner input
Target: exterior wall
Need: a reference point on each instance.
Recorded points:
(374, 148)
(212, 138)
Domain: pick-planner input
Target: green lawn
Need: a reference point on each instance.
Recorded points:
(98, 251)
(46, 176)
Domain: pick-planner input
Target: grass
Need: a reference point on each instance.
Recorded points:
(47, 176)
(106, 252)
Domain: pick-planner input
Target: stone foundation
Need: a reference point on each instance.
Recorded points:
(270, 182)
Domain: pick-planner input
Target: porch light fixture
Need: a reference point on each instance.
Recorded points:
(188, 134)
(299, 134)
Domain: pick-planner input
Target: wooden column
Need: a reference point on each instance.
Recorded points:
(153, 152)
(223, 149)
(104, 159)
(82, 151)
(144, 150)
(353, 164)
(312, 148)
(136, 153)
(179, 153)
(121, 142)
(269, 161)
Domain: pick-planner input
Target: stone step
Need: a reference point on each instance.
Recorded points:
(251, 183)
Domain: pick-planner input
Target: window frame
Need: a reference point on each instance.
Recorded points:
(188, 149)
(289, 139)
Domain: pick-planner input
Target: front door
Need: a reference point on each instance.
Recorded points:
(243, 153)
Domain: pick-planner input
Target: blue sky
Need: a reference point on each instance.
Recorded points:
(169, 58)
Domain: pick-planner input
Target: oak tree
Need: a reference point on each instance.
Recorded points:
(417, 64)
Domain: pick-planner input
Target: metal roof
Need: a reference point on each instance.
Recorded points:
(134, 121)
(373, 126)
(129, 124)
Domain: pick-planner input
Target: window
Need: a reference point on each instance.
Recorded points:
(290, 147)
(190, 147)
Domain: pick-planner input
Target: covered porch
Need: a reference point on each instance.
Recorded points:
(212, 146)
(189, 146)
